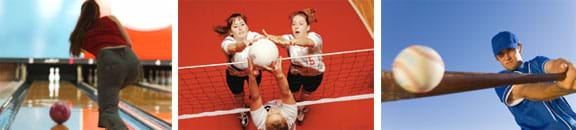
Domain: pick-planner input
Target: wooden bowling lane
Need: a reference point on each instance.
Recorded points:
(7, 88)
(159, 104)
(5, 83)
(42, 94)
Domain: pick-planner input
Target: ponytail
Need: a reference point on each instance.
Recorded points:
(308, 13)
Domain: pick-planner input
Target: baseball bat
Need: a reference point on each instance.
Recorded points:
(454, 82)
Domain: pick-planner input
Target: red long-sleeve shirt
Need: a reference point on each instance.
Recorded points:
(102, 33)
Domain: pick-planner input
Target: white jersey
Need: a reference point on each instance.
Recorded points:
(289, 111)
(242, 56)
(306, 66)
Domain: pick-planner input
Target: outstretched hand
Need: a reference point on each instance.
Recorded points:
(275, 67)
(251, 71)
(265, 33)
(276, 39)
(250, 42)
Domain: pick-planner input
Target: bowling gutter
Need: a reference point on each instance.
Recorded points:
(7, 91)
(9, 109)
(129, 112)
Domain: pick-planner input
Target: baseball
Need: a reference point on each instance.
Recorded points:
(418, 69)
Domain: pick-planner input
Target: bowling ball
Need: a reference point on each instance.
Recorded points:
(59, 112)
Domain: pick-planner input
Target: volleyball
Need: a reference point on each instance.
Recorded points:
(240, 58)
(418, 69)
(263, 52)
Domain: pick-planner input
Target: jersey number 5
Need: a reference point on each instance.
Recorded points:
(311, 61)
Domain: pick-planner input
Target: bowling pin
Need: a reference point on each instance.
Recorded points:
(56, 88)
(51, 75)
(57, 75)
(51, 89)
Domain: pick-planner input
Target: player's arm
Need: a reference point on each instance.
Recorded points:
(122, 30)
(536, 91)
(255, 97)
(276, 39)
(241, 43)
(281, 81)
(236, 47)
(303, 41)
(547, 91)
(313, 40)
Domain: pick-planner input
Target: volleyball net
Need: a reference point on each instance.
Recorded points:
(203, 90)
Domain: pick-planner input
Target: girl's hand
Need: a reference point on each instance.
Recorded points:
(276, 39)
(275, 68)
(251, 71)
(250, 42)
(265, 33)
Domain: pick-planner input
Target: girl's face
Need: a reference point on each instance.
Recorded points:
(299, 26)
(239, 29)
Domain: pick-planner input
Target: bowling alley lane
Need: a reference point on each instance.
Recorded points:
(154, 102)
(34, 111)
(7, 88)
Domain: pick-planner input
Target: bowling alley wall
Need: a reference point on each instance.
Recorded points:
(7, 72)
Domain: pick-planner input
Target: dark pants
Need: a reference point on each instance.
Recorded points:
(117, 68)
(308, 83)
(236, 83)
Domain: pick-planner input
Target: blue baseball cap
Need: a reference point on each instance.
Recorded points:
(503, 40)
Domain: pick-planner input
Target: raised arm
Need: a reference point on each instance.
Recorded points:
(303, 41)
(279, 40)
(281, 81)
(122, 30)
(236, 47)
(311, 40)
(548, 91)
(239, 44)
(255, 97)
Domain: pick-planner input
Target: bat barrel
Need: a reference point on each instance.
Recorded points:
(453, 82)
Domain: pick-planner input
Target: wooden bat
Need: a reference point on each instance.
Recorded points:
(454, 82)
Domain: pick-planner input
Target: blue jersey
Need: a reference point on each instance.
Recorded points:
(554, 114)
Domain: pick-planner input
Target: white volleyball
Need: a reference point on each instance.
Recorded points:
(263, 52)
(240, 58)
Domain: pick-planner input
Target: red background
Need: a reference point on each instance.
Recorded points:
(338, 24)
(150, 45)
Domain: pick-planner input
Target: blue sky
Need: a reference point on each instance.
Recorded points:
(460, 30)
(37, 28)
